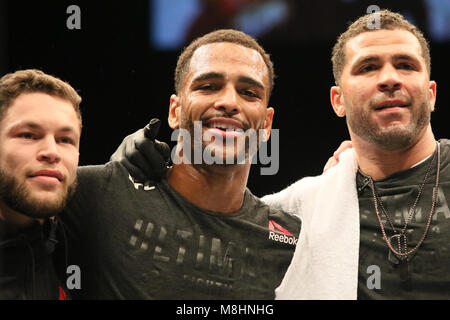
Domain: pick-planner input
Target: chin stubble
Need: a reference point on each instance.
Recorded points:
(17, 197)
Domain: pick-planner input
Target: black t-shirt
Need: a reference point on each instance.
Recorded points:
(429, 267)
(135, 241)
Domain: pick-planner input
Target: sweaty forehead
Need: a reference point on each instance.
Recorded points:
(225, 55)
(383, 42)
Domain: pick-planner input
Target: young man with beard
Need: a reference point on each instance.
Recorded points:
(40, 127)
(199, 233)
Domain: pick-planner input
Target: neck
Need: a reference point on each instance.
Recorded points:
(216, 188)
(14, 218)
(379, 163)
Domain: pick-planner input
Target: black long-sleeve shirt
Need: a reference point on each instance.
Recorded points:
(26, 265)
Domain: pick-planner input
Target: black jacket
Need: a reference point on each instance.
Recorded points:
(26, 267)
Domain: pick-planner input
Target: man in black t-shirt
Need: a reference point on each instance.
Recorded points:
(198, 233)
(383, 88)
(381, 66)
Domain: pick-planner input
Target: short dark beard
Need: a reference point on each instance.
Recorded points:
(188, 125)
(16, 196)
(394, 139)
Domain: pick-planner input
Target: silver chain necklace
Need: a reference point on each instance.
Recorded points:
(398, 252)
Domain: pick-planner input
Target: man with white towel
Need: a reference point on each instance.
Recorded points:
(385, 234)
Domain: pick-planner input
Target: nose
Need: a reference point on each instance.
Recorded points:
(48, 150)
(389, 79)
(228, 101)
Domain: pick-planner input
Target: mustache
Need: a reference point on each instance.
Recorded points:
(208, 117)
(390, 96)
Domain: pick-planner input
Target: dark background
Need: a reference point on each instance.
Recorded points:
(125, 80)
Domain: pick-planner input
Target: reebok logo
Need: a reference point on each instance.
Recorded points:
(275, 227)
(280, 234)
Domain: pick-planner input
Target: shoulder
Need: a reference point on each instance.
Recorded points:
(101, 169)
(272, 213)
(445, 144)
(445, 158)
(100, 172)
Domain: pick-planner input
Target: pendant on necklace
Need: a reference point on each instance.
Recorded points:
(393, 258)
(400, 244)
(404, 269)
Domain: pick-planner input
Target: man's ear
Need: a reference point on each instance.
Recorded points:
(433, 91)
(174, 112)
(268, 123)
(337, 100)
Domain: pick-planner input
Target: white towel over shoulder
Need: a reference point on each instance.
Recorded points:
(325, 262)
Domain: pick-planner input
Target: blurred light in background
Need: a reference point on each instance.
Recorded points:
(439, 20)
(169, 21)
(174, 23)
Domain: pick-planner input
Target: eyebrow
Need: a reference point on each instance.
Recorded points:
(251, 81)
(221, 76)
(364, 60)
(37, 126)
(400, 56)
(209, 76)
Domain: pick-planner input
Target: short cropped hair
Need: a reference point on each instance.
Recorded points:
(20, 82)
(388, 21)
(224, 35)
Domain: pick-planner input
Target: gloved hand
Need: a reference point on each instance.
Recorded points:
(144, 157)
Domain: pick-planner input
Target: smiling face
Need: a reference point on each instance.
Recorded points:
(227, 89)
(39, 143)
(385, 91)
